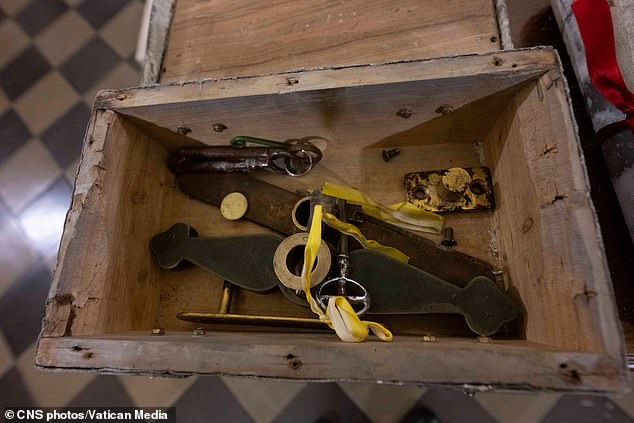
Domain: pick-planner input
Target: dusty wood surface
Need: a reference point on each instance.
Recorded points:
(600, 109)
(507, 68)
(161, 16)
(103, 281)
(324, 357)
(507, 110)
(238, 38)
(544, 241)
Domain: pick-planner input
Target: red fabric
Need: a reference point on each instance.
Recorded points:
(597, 32)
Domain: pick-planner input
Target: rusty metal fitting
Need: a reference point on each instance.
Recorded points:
(388, 154)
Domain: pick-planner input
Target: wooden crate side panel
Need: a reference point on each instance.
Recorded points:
(103, 281)
(502, 364)
(507, 68)
(444, 111)
(594, 297)
(59, 308)
(543, 223)
(237, 38)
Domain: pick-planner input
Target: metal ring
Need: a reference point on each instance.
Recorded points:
(281, 257)
(310, 165)
(300, 205)
(322, 299)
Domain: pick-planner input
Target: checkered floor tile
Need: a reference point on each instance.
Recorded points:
(54, 56)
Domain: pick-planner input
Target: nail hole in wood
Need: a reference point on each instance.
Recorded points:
(405, 113)
(527, 225)
(219, 127)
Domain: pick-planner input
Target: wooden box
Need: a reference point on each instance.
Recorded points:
(507, 110)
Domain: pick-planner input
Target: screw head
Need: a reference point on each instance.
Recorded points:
(183, 130)
(198, 332)
(219, 127)
(158, 331)
(405, 113)
(448, 240)
(388, 154)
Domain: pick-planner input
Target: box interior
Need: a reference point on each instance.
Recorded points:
(512, 125)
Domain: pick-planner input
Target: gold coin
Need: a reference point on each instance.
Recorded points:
(234, 206)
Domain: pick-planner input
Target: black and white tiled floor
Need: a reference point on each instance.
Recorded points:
(54, 56)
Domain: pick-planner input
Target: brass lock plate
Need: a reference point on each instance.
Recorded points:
(451, 190)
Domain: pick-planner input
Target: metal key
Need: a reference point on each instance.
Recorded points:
(342, 285)
(295, 158)
(230, 159)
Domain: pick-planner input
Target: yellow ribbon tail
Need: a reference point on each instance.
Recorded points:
(353, 231)
(339, 314)
(404, 214)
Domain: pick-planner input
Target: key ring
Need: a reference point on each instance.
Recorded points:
(301, 173)
(342, 285)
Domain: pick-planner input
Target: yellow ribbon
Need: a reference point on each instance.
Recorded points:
(339, 314)
(404, 214)
(353, 231)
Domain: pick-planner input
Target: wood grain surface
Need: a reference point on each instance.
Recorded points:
(243, 37)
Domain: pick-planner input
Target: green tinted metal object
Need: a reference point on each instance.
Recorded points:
(246, 261)
(398, 288)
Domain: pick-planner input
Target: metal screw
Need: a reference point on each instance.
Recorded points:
(405, 113)
(183, 130)
(388, 154)
(429, 338)
(219, 127)
(448, 240)
(158, 331)
(198, 332)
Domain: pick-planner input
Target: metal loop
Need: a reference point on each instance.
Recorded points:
(302, 172)
(323, 298)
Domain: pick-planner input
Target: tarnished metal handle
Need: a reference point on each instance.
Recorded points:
(295, 159)
(230, 159)
(304, 154)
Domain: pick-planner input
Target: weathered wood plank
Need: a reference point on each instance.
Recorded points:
(507, 68)
(104, 280)
(238, 38)
(502, 364)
